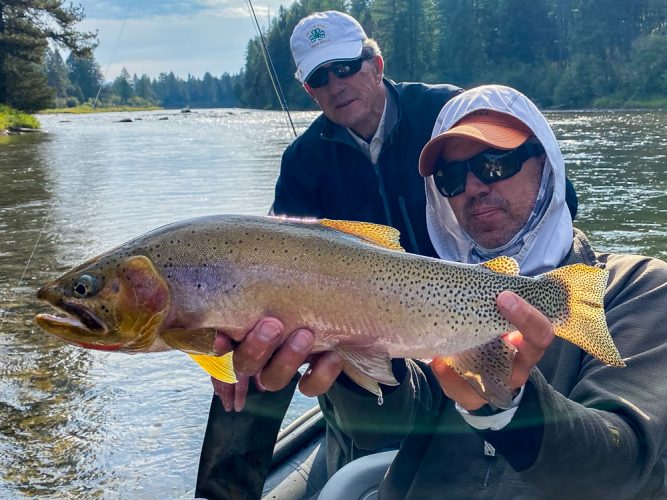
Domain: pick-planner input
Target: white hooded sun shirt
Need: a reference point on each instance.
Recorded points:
(546, 238)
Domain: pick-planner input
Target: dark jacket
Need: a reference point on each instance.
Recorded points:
(324, 174)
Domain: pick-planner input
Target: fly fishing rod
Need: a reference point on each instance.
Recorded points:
(271, 68)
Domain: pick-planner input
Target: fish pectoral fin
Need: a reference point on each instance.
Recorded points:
(218, 367)
(384, 236)
(487, 369)
(502, 265)
(367, 367)
(199, 341)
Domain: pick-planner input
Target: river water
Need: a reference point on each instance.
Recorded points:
(76, 423)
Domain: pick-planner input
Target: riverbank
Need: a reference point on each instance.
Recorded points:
(13, 121)
(85, 108)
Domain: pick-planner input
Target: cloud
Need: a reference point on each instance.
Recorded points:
(184, 37)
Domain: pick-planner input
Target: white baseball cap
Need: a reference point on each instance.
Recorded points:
(323, 37)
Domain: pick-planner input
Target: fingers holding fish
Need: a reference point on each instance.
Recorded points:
(222, 344)
(255, 351)
(536, 335)
(286, 360)
(323, 372)
(455, 387)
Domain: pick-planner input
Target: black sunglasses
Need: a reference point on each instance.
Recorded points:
(489, 166)
(342, 69)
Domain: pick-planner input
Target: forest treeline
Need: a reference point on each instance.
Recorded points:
(562, 53)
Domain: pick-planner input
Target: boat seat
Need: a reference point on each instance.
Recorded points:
(360, 479)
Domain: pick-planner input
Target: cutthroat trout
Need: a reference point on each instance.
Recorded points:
(348, 282)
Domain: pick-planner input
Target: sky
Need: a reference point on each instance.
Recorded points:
(183, 36)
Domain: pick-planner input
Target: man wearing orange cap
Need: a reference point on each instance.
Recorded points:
(356, 161)
(495, 185)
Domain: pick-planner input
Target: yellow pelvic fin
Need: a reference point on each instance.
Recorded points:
(502, 265)
(218, 367)
(384, 236)
(586, 325)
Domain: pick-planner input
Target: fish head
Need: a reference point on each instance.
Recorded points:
(112, 304)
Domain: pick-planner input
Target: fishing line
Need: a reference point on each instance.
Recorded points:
(113, 52)
(271, 68)
(32, 254)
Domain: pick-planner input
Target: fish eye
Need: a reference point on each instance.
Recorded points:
(85, 286)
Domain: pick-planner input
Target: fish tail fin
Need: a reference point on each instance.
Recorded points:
(218, 367)
(584, 323)
(487, 369)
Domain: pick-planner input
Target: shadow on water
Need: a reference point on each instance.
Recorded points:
(79, 423)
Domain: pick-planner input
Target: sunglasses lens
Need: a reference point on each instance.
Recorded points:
(318, 78)
(496, 169)
(450, 178)
(343, 69)
(347, 69)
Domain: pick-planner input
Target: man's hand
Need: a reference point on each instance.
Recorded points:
(273, 358)
(534, 336)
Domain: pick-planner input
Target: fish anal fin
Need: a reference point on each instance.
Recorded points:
(584, 322)
(362, 380)
(197, 341)
(487, 368)
(367, 367)
(502, 265)
(218, 367)
(384, 236)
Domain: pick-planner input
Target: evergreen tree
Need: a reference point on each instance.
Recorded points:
(85, 75)
(143, 89)
(122, 86)
(26, 27)
(402, 33)
(56, 73)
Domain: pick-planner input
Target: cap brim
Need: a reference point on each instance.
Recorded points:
(491, 134)
(338, 52)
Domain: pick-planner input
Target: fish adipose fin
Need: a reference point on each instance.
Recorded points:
(502, 265)
(585, 324)
(384, 236)
(487, 369)
(198, 344)
(367, 367)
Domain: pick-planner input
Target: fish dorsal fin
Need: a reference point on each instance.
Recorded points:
(367, 366)
(487, 368)
(218, 367)
(384, 236)
(502, 265)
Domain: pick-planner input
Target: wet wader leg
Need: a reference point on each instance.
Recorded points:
(237, 449)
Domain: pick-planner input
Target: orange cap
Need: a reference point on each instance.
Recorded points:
(495, 129)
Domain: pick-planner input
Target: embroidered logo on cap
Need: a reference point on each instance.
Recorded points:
(316, 34)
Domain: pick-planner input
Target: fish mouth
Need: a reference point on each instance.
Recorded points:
(80, 319)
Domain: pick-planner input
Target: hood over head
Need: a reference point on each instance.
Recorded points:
(547, 235)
